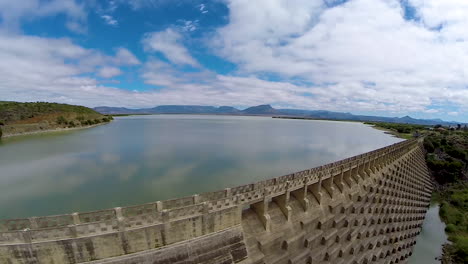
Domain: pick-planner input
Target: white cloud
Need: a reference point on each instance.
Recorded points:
(431, 111)
(137, 4)
(109, 72)
(206, 87)
(12, 13)
(361, 55)
(125, 57)
(112, 6)
(54, 69)
(169, 43)
(202, 8)
(109, 20)
(76, 27)
(358, 56)
(189, 25)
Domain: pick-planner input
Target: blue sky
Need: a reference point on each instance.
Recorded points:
(375, 57)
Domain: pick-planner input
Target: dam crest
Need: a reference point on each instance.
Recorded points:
(364, 209)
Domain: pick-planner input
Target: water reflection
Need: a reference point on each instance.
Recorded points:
(140, 159)
(429, 242)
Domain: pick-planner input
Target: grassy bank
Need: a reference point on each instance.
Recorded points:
(454, 212)
(28, 118)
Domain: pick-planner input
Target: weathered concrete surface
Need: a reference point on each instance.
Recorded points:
(225, 247)
(367, 208)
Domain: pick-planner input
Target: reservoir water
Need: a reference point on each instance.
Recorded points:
(139, 159)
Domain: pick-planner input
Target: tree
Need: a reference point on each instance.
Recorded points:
(1, 132)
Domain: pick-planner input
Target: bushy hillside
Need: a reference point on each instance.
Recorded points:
(13, 112)
(21, 118)
(447, 158)
(447, 155)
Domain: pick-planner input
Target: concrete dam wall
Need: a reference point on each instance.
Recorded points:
(367, 208)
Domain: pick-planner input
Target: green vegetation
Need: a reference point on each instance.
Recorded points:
(11, 112)
(454, 212)
(405, 131)
(447, 158)
(19, 118)
(447, 155)
(400, 128)
(61, 120)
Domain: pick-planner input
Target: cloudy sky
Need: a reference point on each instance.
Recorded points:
(379, 57)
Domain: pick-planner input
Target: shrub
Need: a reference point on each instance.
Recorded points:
(61, 120)
(445, 171)
(443, 142)
(1, 132)
(428, 146)
(450, 228)
(456, 153)
(107, 119)
(461, 249)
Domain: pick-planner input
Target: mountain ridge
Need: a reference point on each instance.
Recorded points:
(268, 110)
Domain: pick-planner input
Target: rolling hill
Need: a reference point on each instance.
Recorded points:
(24, 118)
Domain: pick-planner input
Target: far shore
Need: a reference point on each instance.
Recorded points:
(392, 132)
(50, 130)
(388, 131)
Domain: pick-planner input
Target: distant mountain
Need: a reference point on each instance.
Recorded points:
(228, 110)
(261, 110)
(182, 109)
(320, 114)
(266, 110)
(117, 110)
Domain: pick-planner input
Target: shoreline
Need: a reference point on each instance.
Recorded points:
(50, 131)
(390, 132)
(387, 131)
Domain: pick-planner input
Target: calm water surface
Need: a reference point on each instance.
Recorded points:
(429, 243)
(140, 159)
